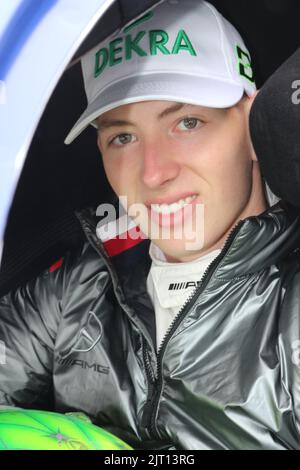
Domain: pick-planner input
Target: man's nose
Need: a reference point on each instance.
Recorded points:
(159, 164)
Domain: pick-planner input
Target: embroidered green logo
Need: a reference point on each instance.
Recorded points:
(244, 64)
(144, 18)
(125, 48)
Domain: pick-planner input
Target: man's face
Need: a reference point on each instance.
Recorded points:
(161, 152)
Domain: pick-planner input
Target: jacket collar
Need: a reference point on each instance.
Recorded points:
(256, 243)
(261, 241)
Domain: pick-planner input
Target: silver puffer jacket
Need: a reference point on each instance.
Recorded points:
(227, 376)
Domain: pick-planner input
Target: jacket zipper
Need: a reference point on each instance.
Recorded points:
(151, 387)
(155, 379)
(155, 385)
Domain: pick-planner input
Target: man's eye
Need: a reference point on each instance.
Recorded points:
(123, 139)
(188, 124)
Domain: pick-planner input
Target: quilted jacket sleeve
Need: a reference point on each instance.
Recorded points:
(29, 318)
(289, 348)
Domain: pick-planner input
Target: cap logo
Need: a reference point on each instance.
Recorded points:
(244, 64)
(144, 18)
(124, 48)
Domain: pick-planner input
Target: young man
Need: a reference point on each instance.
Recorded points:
(176, 342)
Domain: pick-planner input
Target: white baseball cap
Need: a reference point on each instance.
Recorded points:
(180, 50)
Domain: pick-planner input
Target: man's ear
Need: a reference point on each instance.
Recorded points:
(252, 98)
(250, 101)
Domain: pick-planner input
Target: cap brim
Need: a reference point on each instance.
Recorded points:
(183, 88)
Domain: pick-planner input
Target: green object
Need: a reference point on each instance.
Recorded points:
(43, 430)
(129, 46)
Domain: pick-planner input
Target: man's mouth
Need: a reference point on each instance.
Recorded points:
(166, 209)
(174, 214)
